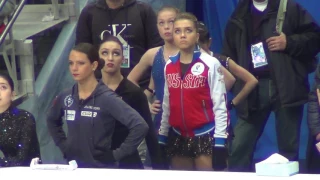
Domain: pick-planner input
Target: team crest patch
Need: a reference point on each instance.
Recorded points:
(68, 101)
(197, 69)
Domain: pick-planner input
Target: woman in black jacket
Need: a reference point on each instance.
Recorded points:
(313, 154)
(111, 52)
(18, 137)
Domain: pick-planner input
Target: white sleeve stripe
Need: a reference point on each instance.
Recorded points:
(218, 91)
(164, 126)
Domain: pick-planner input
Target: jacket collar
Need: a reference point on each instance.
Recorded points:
(243, 8)
(196, 55)
(103, 4)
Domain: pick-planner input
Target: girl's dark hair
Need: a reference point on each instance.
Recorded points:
(188, 16)
(204, 34)
(168, 8)
(8, 79)
(111, 38)
(91, 52)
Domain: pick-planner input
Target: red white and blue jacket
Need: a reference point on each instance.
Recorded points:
(194, 104)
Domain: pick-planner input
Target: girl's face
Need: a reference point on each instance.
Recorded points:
(111, 53)
(185, 35)
(6, 93)
(165, 24)
(80, 66)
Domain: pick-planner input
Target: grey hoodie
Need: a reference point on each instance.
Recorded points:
(91, 123)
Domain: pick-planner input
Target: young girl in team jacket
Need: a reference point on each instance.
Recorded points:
(91, 109)
(194, 102)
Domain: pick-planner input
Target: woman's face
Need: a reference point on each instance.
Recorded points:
(185, 35)
(6, 93)
(111, 53)
(80, 66)
(165, 24)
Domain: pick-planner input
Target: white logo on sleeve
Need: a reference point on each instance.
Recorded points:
(197, 69)
(70, 114)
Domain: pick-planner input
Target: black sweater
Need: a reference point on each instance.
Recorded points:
(134, 96)
(18, 138)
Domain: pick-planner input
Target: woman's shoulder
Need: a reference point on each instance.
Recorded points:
(22, 114)
(66, 92)
(131, 87)
(224, 60)
(220, 57)
(149, 55)
(153, 51)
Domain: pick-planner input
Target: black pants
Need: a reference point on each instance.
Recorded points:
(132, 161)
(248, 131)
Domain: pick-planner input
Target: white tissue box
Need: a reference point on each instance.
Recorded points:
(273, 169)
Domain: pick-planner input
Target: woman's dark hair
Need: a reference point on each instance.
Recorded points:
(204, 34)
(168, 8)
(8, 79)
(111, 38)
(91, 52)
(188, 16)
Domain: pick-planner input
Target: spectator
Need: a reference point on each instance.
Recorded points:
(313, 154)
(131, 21)
(283, 75)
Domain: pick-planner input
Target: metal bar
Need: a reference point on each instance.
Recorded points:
(56, 9)
(12, 20)
(27, 70)
(8, 64)
(2, 3)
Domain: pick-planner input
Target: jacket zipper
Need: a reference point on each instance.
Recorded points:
(183, 120)
(181, 97)
(205, 110)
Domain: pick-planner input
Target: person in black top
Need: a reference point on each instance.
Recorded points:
(91, 110)
(313, 148)
(18, 137)
(112, 53)
(281, 63)
(132, 21)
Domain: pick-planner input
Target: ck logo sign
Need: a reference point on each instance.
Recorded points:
(115, 32)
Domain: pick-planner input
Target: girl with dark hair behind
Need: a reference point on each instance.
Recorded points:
(230, 65)
(238, 71)
(112, 53)
(18, 137)
(91, 110)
